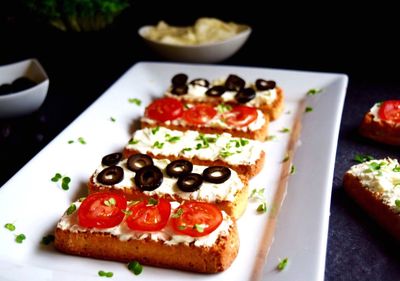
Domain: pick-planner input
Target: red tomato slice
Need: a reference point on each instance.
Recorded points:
(148, 216)
(240, 116)
(164, 109)
(390, 111)
(196, 219)
(102, 210)
(199, 114)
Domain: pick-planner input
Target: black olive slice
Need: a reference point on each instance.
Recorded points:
(234, 83)
(263, 85)
(200, 82)
(179, 79)
(178, 168)
(245, 95)
(190, 182)
(111, 175)
(111, 159)
(148, 178)
(216, 91)
(180, 90)
(216, 174)
(137, 161)
(22, 83)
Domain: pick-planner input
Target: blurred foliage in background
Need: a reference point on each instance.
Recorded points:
(77, 15)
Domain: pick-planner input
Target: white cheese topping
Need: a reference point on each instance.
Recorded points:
(374, 111)
(189, 144)
(124, 233)
(209, 192)
(216, 122)
(381, 176)
(198, 93)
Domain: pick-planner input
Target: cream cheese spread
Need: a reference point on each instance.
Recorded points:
(167, 235)
(381, 176)
(208, 192)
(189, 144)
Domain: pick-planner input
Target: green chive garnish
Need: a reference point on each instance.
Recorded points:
(46, 240)
(282, 264)
(71, 209)
(284, 130)
(136, 101)
(262, 208)
(362, 158)
(313, 92)
(20, 238)
(309, 109)
(10, 226)
(135, 267)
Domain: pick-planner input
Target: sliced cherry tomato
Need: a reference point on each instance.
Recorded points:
(196, 219)
(390, 111)
(240, 116)
(199, 114)
(149, 215)
(102, 210)
(164, 109)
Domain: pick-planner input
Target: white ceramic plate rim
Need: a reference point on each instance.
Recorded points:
(301, 233)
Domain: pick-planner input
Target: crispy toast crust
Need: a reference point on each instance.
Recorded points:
(380, 131)
(373, 205)
(203, 259)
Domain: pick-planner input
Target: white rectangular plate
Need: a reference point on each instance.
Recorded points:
(33, 203)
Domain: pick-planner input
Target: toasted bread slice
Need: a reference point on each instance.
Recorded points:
(207, 254)
(244, 156)
(374, 185)
(230, 196)
(380, 130)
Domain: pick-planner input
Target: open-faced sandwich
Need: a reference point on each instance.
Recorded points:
(263, 94)
(375, 186)
(139, 177)
(193, 236)
(382, 122)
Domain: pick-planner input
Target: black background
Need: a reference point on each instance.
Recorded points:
(332, 37)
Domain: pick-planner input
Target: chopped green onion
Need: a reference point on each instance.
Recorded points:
(313, 92)
(152, 201)
(308, 109)
(20, 238)
(286, 158)
(221, 108)
(135, 267)
(158, 145)
(56, 177)
(181, 227)
(70, 141)
(132, 141)
(173, 139)
(155, 130)
(112, 119)
(177, 214)
(397, 203)
(282, 264)
(257, 194)
(284, 130)
(81, 140)
(292, 169)
(110, 202)
(186, 149)
(46, 240)
(127, 212)
(136, 101)
(199, 227)
(262, 208)
(10, 226)
(362, 158)
(105, 274)
(396, 169)
(71, 209)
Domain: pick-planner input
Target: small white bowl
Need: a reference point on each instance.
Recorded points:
(203, 53)
(26, 101)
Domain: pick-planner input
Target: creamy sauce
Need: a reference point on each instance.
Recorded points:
(167, 235)
(209, 192)
(222, 147)
(380, 176)
(216, 122)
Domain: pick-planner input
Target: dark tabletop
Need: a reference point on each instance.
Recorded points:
(360, 43)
